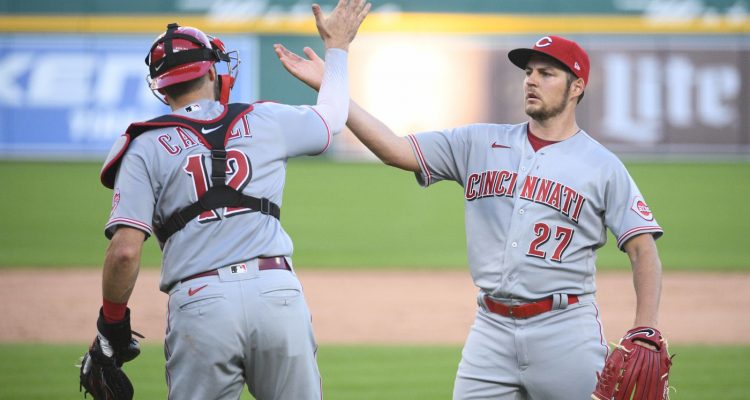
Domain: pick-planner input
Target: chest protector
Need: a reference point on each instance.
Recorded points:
(218, 195)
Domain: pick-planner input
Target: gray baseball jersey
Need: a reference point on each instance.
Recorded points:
(534, 220)
(173, 167)
(267, 342)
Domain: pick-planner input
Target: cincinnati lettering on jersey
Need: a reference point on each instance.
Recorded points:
(184, 138)
(539, 190)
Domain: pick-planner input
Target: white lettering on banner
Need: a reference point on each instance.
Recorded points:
(682, 11)
(102, 124)
(619, 119)
(60, 80)
(644, 95)
(717, 87)
(11, 68)
(679, 105)
(102, 93)
(116, 71)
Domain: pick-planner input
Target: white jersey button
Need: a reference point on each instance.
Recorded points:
(523, 168)
(514, 244)
(521, 211)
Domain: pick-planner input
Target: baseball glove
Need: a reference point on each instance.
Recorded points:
(633, 371)
(101, 372)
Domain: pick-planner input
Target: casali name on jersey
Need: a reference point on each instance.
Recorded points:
(539, 190)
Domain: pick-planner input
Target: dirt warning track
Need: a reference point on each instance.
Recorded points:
(373, 307)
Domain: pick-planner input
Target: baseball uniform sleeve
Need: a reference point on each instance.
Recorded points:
(333, 98)
(133, 198)
(442, 155)
(307, 130)
(627, 214)
(299, 130)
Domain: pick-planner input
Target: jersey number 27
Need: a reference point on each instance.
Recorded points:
(543, 232)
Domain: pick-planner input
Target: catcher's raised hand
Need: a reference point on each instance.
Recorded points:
(310, 71)
(339, 29)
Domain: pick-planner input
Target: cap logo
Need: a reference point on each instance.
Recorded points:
(576, 66)
(544, 42)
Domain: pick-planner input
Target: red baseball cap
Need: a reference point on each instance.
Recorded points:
(568, 52)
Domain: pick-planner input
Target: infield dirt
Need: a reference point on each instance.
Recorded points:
(373, 307)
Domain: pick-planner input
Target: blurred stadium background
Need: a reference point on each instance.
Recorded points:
(669, 77)
(669, 92)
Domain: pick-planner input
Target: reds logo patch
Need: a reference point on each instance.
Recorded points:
(641, 208)
(115, 200)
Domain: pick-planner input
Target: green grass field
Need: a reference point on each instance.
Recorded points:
(368, 215)
(364, 216)
(43, 372)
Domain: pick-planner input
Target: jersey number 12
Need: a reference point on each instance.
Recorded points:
(239, 171)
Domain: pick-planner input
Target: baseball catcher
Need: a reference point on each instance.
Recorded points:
(636, 371)
(101, 367)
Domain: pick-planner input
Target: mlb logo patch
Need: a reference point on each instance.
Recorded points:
(193, 108)
(238, 268)
(641, 208)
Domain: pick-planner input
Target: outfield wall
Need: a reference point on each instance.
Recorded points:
(668, 77)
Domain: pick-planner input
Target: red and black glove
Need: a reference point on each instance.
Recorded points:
(101, 374)
(636, 372)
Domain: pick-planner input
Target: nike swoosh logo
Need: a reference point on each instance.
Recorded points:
(192, 291)
(161, 64)
(207, 131)
(647, 331)
(499, 146)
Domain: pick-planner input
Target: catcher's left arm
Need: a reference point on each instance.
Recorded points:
(101, 367)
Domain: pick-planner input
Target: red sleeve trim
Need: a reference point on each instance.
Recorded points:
(129, 222)
(420, 159)
(637, 231)
(328, 130)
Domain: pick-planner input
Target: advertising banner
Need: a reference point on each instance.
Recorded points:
(646, 94)
(72, 95)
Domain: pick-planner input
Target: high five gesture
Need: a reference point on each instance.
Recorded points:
(339, 29)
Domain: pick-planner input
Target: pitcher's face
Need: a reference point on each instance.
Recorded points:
(546, 89)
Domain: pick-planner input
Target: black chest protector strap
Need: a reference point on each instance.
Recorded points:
(218, 195)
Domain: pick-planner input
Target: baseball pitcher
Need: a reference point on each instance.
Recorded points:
(207, 181)
(539, 197)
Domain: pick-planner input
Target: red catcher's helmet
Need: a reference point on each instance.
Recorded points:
(185, 53)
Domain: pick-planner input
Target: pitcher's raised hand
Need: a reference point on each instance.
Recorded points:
(310, 71)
